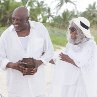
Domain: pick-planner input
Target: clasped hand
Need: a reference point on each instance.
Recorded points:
(27, 66)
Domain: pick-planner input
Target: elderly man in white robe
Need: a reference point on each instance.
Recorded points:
(25, 42)
(75, 73)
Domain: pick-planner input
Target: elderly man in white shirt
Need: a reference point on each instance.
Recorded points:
(29, 40)
(75, 72)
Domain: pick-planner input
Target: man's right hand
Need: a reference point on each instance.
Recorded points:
(15, 66)
(23, 70)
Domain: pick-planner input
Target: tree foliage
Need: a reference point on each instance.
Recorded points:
(91, 13)
(6, 8)
(39, 11)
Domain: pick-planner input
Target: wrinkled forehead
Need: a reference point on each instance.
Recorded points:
(16, 14)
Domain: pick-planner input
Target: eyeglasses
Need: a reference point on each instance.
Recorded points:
(72, 29)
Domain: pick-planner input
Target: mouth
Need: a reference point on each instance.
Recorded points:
(16, 26)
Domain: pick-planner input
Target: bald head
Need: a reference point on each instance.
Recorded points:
(21, 12)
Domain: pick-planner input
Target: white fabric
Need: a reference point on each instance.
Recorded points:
(67, 76)
(76, 90)
(11, 50)
(24, 41)
(86, 22)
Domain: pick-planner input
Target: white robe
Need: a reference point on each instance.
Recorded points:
(11, 50)
(70, 81)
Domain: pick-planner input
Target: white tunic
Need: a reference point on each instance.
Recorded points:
(70, 81)
(12, 50)
(24, 41)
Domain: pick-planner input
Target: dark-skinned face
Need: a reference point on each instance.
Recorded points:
(20, 21)
(76, 35)
(73, 33)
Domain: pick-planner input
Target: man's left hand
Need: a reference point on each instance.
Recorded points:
(37, 63)
(29, 71)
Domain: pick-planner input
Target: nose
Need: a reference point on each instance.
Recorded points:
(73, 35)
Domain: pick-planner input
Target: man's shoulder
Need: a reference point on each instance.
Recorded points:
(7, 31)
(9, 28)
(35, 24)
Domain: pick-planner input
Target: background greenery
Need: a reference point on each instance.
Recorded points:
(56, 24)
(58, 36)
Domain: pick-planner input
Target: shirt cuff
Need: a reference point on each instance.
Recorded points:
(4, 63)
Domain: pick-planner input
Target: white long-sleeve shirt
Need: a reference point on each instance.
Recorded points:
(12, 50)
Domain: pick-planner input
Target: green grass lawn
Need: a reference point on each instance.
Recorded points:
(94, 33)
(58, 36)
